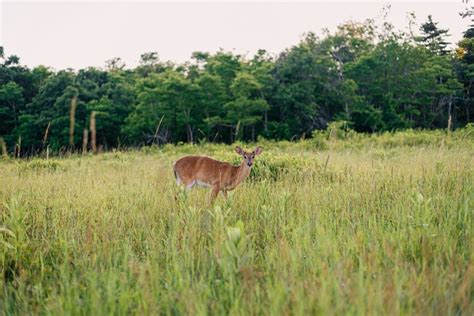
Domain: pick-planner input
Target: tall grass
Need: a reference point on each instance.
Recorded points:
(360, 229)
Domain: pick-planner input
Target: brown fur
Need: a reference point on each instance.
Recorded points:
(220, 176)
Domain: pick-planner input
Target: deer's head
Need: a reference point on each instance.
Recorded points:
(248, 156)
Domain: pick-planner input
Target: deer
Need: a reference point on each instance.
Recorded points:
(217, 175)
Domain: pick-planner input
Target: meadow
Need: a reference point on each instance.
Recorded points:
(342, 223)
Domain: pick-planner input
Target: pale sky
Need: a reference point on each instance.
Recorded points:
(78, 34)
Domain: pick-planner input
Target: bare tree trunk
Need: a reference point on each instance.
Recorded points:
(18, 147)
(265, 122)
(466, 104)
(157, 130)
(85, 139)
(45, 137)
(449, 113)
(93, 133)
(190, 135)
(237, 131)
(72, 120)
(4, 148)
(265, 115)
(15, 118)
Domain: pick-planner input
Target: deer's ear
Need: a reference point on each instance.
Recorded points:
(257, 151)
(239, 150)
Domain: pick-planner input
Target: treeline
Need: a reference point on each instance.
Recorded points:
(373, 78)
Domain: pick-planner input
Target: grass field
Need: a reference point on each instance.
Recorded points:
(358, 225)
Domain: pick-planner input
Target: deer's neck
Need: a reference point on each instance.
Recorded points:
(243, 172)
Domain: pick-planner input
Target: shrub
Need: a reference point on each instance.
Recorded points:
(273, 167)
(39, 165)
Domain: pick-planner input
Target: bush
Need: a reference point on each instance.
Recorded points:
(339, 130)
(39, 165)
(271, 167)
(339, 136)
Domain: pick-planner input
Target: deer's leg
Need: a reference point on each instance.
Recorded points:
(190, 184)
(187, 183)
(214, 193)
(224, 193)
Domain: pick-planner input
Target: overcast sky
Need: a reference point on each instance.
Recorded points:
(64, 34)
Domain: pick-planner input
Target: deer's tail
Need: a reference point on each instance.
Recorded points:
(176, 175)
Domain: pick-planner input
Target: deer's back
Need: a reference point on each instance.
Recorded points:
(203, 169)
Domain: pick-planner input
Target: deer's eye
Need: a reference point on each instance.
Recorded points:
(245, 156)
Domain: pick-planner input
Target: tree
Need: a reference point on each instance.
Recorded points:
(225, 65)
(465, 70)
(305, 96)
(248, 106)
(261, 67)
(168, 98)
(374, 78)
(150, 63)
(114, 64)
(212, 97)
(433, 37)
(385, 78)
(11, 104)
(350, 42)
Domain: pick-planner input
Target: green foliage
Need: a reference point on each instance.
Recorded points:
(234, 255)
(11, 104)
(377, 79)
(276, 167)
